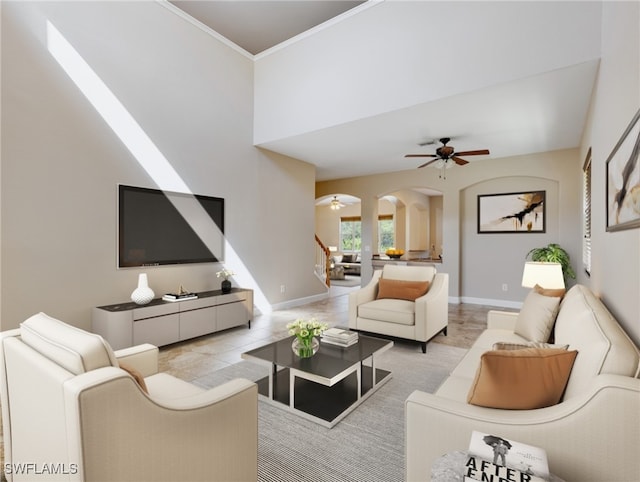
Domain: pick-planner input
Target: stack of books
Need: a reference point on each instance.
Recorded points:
(179, 296)
(496, 459)
(340, 337)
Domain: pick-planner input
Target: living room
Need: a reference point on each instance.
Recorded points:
(204, 105)
(59, 233)
(59, 193)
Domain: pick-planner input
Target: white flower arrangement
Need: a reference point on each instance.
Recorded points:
(225, 273)
(305, 330)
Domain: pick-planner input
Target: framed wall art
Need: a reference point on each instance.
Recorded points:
(623, 180)
(515, 212)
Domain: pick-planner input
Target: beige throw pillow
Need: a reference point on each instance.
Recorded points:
(521, 379)
(537, 317)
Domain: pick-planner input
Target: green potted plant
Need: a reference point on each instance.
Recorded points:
(553, 253)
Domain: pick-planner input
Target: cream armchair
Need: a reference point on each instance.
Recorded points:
(418, 320)
(69, 412)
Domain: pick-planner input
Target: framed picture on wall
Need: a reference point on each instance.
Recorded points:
(623, 180)
(515, 212)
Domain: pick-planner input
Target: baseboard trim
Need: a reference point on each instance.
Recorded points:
(299, 301)
(490, 302)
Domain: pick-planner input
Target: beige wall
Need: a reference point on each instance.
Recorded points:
(470, 258)
(61, 162)
(615, 273)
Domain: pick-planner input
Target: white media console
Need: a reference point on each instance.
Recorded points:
(165, 322)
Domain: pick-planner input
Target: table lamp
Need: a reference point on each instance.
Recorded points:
(545, 275)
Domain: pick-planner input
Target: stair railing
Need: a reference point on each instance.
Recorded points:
(323, 261)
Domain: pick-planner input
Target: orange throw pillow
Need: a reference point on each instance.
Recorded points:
(137, 376)
(552, 292)
(521, 379)
(401, 289)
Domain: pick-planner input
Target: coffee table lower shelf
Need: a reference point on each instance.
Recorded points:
(325, 405)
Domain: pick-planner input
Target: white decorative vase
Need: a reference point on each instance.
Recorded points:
(142, 294)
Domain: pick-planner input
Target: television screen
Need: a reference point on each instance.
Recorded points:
(160, 227)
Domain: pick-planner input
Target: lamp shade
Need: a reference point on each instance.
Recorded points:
(546, 275)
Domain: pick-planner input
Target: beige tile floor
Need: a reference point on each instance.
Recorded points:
(192, 359)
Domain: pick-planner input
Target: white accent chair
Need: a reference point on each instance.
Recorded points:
(420, 320)
(69, 412)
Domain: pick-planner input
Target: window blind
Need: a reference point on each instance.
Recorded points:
(586, 203)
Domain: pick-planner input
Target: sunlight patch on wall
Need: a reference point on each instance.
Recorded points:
(143, 149)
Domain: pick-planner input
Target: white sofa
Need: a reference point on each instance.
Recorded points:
(593, 434)
(420, 320)
(350, 263)
(70, 412)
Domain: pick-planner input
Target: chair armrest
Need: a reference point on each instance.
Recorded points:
(502, 320)
(119, 433)
(213, 395)
(143, 358)
(432, 309)
(363, 295)
(573, 432)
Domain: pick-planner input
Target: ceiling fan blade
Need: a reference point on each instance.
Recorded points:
(420, 155)
(427, 163)
(458, 161)
(479, 152)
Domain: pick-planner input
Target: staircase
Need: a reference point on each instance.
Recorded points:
(323, 261)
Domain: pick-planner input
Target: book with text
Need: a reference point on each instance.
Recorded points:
(495, 459)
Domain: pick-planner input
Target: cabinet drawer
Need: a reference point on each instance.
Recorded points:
(231, 297)
(157, 331)
(230, 315)
(197, 322)
(196, 304)
(156, 310)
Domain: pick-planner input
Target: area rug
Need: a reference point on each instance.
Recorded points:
(347, 281)
(368, 444)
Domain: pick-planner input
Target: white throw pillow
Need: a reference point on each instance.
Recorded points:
(537, 317)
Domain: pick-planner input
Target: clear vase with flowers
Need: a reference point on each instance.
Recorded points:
(305, 344)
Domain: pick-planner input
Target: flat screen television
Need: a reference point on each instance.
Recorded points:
(160, 227)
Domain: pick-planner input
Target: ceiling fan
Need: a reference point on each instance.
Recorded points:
(446, 153)
(335, 204)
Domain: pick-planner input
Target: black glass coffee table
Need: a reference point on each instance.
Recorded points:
(327, 386)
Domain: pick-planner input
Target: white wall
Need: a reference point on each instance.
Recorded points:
(615, 273)
(374, 61)
(61, 162)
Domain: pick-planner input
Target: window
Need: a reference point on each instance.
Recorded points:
(350, 234)
(386, 232)
(586, 204)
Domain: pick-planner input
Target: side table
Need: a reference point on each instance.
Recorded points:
(450, 468)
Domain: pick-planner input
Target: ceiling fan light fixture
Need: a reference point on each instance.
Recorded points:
(335, 204)
(443, 164)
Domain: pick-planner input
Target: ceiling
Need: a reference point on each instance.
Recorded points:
(257, 25)
(542, 113)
